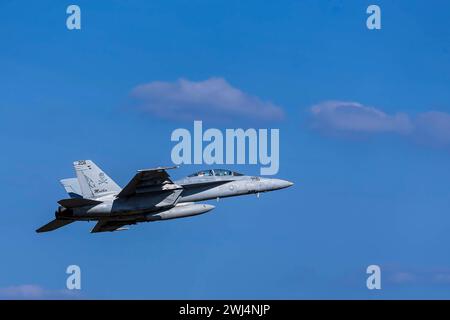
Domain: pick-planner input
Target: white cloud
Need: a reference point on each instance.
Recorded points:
(402, 277)
(32, 291)
(427, 276)
(442, 278)
(342, 116)
(212, 99)
(26, 291)
(431, 128)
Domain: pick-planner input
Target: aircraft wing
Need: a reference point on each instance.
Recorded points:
(149, 180)
(103, 226)
(53, 225)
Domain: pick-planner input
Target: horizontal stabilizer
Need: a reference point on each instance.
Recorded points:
(53, 225)
(72, 187)
(78, 202)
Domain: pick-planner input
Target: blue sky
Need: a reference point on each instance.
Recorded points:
(364, 135)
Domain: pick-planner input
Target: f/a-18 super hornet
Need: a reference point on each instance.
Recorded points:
(150, 196)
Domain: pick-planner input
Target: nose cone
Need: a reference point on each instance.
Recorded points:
(281, 184)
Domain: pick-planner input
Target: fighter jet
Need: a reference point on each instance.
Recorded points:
(151, 195)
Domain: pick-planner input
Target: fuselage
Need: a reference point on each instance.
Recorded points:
(142, 207)
(151, 195)
(201, 189)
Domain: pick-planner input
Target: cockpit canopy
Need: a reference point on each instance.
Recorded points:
(215, 172)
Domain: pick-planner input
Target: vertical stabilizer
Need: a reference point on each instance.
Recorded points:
(93, 181)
